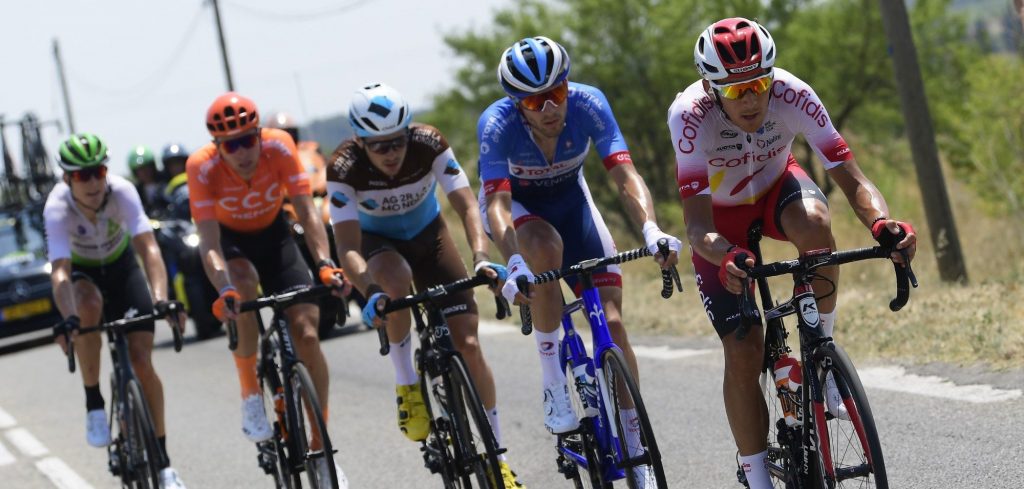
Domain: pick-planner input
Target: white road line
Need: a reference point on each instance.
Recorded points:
(26, 443)
(60, 474)
(6, 420)
(897, 379)
(6, 457)
(663, 352)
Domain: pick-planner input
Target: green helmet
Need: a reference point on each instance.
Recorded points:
(82, 150)
(139, 157)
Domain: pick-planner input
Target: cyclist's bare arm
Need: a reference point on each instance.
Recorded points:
(704, 238)
(63, 293)
(349, 238)
(309, 217)
(499, 216)
(152, 261)
(465, 205)
(213, 257)
(636, 198)
(867, 202)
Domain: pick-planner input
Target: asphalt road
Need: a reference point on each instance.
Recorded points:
(929, 442)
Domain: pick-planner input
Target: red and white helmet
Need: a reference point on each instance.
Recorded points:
(731, 49)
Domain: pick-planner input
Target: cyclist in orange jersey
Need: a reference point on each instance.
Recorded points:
(237, 184)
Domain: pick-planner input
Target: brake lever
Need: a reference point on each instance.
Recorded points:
(523, 284)
(232, 327)
(669, 275)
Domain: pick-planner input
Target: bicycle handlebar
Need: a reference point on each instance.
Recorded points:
(125, 323)
(431, 293)
(807, 264)
(275, 300)
(669, 276)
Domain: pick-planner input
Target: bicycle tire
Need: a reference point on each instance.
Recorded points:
(281, 470)
(142, 450)
(583, 442)
(851, 449)
(306, 405)
(474, 439)
(613, 371)
(436, 444)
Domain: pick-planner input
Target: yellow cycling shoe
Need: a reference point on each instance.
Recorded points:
(509, 477)
(412, 414)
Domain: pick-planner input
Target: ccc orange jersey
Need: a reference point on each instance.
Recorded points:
(217, 192)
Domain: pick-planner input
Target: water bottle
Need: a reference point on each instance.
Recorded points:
(788, 379)
(440, 395)
(587, 388)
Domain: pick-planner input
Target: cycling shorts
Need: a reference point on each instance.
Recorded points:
(733, 222)
(273, 252)
(123, 287)
(434, 260)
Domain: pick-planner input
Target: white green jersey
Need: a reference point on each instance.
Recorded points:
(69, 234)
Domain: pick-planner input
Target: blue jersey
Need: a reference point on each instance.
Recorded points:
(511, 161)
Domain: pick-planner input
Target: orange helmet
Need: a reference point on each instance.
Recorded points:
(231, 114)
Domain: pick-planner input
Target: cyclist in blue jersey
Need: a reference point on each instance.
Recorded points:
(536, 204)
(390, 235)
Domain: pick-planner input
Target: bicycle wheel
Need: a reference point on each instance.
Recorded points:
(581, 442)
(638, 451)
(141, 448)
(438, 452)
(477, 455)
(850, 450)
(273, 455)
(308, 425)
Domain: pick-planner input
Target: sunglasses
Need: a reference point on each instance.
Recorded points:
(86, 174)
(386, 146)
(736, 90)
(247, 141)
(536, 102)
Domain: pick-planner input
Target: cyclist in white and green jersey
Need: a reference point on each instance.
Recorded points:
(91, 218)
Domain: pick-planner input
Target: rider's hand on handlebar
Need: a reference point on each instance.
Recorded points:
(68, 325)
(165, 308)
(731, 275)
(375, 305)
(220, 309)
(651, 236)
(493, 271)
(332, 275)
(516, 268)
(886, 231)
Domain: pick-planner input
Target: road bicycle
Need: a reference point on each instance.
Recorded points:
(288, 388)
(134, 454)
(814, 449)
(461, 445)
(601, 451)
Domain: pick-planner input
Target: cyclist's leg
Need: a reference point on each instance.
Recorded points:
(89, 302)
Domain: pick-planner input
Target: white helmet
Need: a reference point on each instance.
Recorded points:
(732, 49)
(378, 110)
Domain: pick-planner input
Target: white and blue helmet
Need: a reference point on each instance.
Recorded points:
(532, 65)
(378, 110)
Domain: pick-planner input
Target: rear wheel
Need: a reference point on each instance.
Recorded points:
(473, 437)
(583, 443)
(638, 451)
(142, 452)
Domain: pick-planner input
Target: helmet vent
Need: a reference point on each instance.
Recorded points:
(368, 123)
(741, 50)
(725, 53)
(709, 68)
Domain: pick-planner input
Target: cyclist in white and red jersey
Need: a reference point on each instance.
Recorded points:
(732, 132)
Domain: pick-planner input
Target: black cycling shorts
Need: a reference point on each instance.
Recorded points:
(274, 254)
(123, 287)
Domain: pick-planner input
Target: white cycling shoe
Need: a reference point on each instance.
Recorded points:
(834, 400)
(254, 420)
(97, 430)
(169, 479)
(559, 417)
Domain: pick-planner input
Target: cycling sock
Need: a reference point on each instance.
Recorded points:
(632, 429)
(401, 358)
(755, 471)
(492, 418)
(163, 447)
(93, 398)
(550, 367)
(828, 322)
(246, 367)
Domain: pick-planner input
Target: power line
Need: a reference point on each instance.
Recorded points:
(297, 16)
(158, 76)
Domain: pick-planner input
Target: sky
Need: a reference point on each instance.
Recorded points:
(145, 71)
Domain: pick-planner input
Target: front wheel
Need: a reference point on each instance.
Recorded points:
(141, 450)
(309, 430)
(638, 452)
(851, 452)
(476, 450)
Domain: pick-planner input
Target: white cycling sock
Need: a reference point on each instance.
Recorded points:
(756, 472)
(401, 358)
(550, 367)
(632, 429)
(828, 322)
(492, 417)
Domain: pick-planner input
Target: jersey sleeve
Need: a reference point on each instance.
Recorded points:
(201, 200)
(687, 131)
(490, 131)
(58, 242)
(807, 116)
(448, 172)
(135, 218)
(604, 129)
(343, 202)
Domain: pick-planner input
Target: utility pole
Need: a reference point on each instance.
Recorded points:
(223, 46)
(63, 85)
(921, 134)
